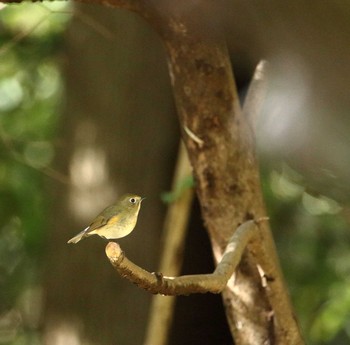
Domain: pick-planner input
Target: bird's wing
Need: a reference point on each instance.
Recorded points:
(98, 222)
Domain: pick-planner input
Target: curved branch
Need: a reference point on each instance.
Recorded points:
(214, 282)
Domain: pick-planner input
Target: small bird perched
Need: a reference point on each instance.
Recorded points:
(116, 221)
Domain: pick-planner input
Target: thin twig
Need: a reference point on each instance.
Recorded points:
(47, 171)
(194, 137)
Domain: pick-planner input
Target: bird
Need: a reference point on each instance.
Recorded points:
(115, 221)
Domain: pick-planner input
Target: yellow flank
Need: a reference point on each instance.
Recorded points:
(113, 220)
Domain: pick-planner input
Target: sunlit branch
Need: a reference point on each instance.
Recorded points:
(214, 282)
(256, 94)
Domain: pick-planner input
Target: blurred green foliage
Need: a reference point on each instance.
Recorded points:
(312, 238)
(30, 88)
(182, 186)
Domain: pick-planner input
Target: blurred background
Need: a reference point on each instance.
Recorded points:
(86, 113)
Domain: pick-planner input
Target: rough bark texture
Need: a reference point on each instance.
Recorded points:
(228, 183)
(226, 178)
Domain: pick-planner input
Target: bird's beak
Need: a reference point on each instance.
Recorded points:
(142, 199)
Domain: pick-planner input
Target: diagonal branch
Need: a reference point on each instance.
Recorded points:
(189, 284)
(256, 94)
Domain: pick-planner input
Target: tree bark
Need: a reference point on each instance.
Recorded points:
(227, 179)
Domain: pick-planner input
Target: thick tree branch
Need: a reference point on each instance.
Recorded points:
(227, 180)
(189, 284)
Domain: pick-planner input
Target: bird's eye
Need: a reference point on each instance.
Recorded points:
(132, 200)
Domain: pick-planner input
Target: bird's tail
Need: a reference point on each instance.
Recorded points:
(78, 237)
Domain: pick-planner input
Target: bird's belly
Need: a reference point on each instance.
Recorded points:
(119, 230)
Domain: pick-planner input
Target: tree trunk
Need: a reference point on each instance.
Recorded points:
(227, 179)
